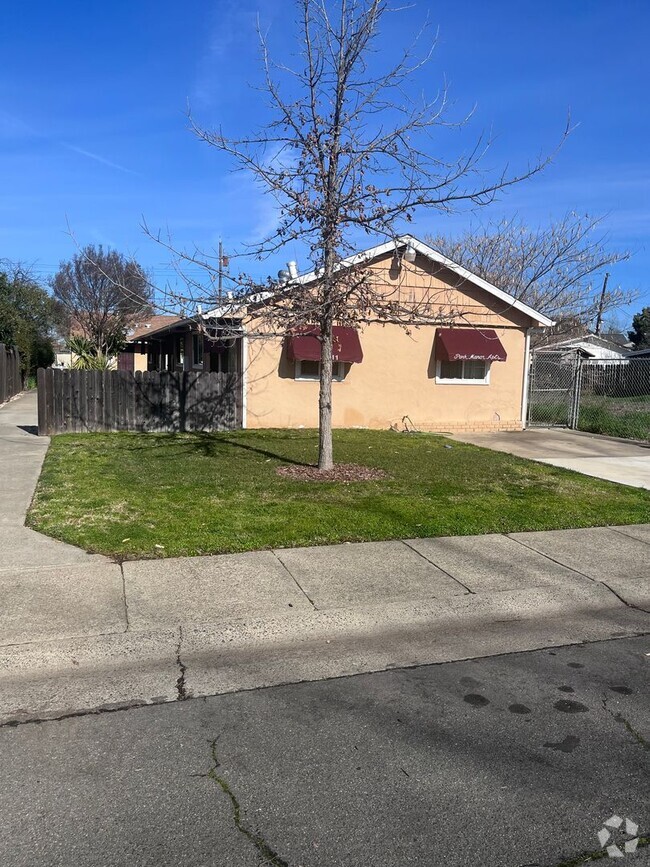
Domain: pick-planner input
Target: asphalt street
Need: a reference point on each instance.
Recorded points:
(511, 760)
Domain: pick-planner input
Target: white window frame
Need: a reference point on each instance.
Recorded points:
(484, 381)
(338, 372)
(195, 342)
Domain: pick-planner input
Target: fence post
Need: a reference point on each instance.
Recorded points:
(577, 387)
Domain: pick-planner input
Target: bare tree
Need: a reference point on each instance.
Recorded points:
(556, 269)
(349, 152)
(102, 293)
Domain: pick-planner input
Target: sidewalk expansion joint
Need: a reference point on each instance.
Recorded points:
(295, 580)
(181, 688)
(553, 560)
(444, 571)
(622, 532)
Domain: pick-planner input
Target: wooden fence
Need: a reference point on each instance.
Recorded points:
(79, 401)
(11, 381)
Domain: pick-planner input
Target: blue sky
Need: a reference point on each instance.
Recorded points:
(93, 129)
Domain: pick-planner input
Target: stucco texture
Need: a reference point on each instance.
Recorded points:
(397, 377)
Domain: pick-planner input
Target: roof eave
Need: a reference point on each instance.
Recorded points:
(425, 250)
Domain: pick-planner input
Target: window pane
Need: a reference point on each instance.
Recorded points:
(310, 369)
(197, 350)
(451, 370)
(474, 370)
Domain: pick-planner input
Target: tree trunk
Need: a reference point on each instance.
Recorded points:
(325, 449)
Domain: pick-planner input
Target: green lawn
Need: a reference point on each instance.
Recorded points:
(126, 494)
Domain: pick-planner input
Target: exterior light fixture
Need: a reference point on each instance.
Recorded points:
(410, 253)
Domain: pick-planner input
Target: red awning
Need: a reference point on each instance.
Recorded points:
(469, 344)
(303, 344)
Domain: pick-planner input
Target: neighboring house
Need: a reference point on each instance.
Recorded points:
(605, 347)
(174, 343)
(468, 374)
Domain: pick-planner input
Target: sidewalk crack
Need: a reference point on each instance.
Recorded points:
(124, 599)
(181, 687)
(624, 601)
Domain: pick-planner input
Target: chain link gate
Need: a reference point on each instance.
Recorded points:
(594, 395)
(553, 389)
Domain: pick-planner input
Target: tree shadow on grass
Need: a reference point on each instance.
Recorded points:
(209, 444)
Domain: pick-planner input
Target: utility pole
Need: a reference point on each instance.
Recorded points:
(220, 283)
(601, 304)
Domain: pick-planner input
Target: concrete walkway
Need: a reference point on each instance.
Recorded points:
(79, 632)
(624, 461)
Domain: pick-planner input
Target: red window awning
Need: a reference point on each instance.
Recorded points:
(469, 344)
(303, 344)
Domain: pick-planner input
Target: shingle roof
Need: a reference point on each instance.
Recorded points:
(151, 325)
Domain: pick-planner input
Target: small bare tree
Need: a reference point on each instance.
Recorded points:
(102, 293)
(350, 152)
(556, 269)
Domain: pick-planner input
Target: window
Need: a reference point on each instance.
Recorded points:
(310, 370)
(180, 351)
(470, 372)
(197, 350)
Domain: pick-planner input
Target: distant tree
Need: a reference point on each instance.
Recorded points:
(27, 317)
(556, 269)
(102, 293)
(640, 334)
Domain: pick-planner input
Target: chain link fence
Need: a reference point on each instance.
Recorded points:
(594, 395)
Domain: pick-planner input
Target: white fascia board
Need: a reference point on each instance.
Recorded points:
(434, 255)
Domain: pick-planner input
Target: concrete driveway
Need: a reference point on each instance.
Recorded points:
(622, 461)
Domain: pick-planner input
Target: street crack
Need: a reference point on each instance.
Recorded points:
(588, 857)
(638, 737)
(265, 852)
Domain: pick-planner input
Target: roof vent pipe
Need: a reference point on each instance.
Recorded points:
(292, 267)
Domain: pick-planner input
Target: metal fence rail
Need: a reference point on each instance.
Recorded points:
(599, 396)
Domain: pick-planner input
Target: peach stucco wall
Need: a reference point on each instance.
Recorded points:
(397, 376)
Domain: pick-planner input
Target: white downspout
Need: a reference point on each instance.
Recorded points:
(524, 391)
(244, 385)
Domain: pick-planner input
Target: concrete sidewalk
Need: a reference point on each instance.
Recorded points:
(80, 632)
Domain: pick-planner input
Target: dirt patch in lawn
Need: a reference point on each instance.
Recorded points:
(339, 473)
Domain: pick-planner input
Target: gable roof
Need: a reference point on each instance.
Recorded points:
(586, 340)
(151, 325)
(434, 256)
(390, 246)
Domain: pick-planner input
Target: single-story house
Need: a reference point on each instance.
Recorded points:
(470, 372)
(600, 347)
